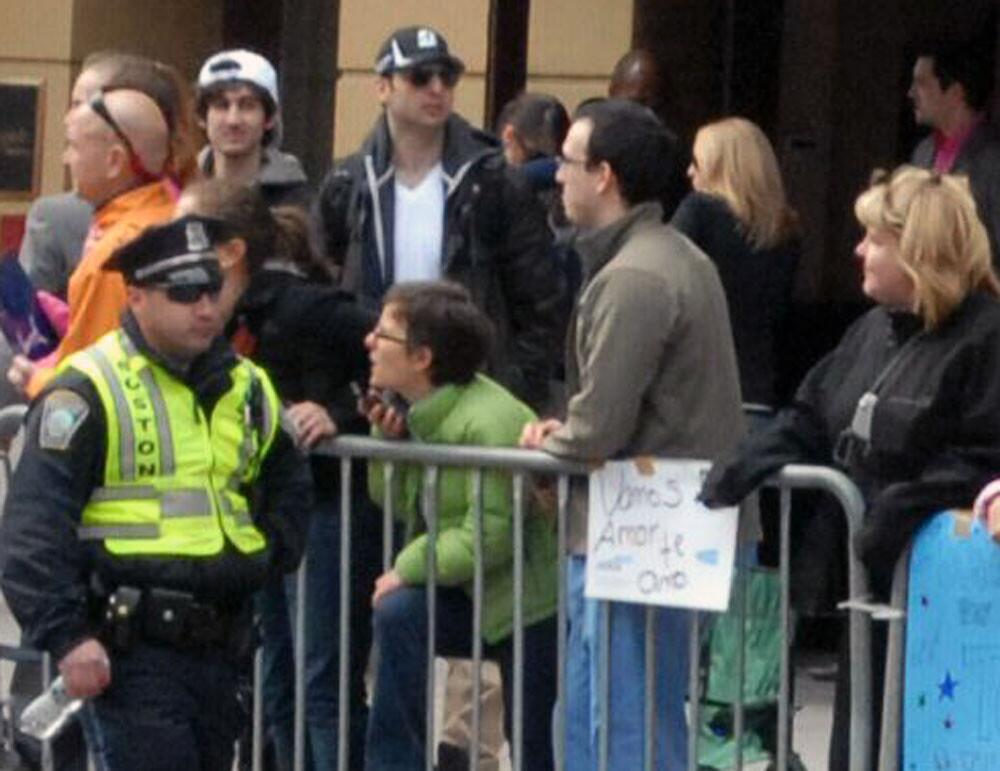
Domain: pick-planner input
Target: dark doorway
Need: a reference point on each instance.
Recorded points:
(721, 57)
(299, 37)
(507, 55)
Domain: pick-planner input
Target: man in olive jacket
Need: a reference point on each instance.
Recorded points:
(650, 371)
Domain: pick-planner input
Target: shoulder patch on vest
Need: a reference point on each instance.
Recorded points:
(63, 412)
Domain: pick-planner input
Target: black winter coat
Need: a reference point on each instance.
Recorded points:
(309, 337)
(758, 284)
(935, 431)
(496, 243)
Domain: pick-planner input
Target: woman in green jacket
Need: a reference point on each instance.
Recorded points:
(427, 347)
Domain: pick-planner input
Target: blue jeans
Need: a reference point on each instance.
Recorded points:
(165, 710)
(396, 731)
(626, 707)
(276, 608)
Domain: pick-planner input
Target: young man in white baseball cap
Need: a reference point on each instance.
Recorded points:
(239, 108)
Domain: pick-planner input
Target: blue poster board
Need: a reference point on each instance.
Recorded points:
(951, 696)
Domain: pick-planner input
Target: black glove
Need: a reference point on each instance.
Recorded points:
(721, 487)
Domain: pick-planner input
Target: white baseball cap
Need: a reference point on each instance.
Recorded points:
(240, 66)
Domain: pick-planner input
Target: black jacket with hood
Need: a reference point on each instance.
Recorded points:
(496, 243)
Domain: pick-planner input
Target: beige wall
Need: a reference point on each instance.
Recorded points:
(180, 32)
(45, 40)
(35, 41)
(574, 44)
(364, 26)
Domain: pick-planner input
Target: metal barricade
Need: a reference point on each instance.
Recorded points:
(519, 464)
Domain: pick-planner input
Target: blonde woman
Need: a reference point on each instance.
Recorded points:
(908, 404)
(738, 215)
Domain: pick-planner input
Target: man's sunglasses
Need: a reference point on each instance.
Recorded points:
(100, 108)
(189, 294)
(422, 74)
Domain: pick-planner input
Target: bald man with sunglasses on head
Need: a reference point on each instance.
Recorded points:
(117, 145)
(428, 197)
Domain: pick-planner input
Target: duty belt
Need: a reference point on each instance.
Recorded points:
(165, 616)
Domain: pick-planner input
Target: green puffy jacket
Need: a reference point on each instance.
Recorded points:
(483, 414)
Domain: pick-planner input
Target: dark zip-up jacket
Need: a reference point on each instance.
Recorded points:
(935, 430)
(47, 573)
(495, 242)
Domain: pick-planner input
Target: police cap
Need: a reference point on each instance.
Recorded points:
(178, 253)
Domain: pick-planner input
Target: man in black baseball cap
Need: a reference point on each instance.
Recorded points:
(428, 196)
(412, 47)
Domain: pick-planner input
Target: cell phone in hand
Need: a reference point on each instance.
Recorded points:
(386, 396)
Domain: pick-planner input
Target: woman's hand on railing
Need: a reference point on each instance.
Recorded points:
(312, 424)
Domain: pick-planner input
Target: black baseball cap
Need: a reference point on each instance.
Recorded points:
(412, 46)
(178, 253)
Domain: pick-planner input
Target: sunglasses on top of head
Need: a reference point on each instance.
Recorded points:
(100, 108)
(422, 74)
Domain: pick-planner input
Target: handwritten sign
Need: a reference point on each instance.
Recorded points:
(649, 541)
(951, 698)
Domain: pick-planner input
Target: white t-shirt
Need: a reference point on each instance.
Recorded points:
(419, 228)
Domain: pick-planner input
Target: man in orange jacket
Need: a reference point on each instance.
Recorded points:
(117, 144)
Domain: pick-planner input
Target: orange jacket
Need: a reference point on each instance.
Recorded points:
(97, 296)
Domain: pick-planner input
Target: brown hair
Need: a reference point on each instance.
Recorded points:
(280, 233)
(441, 316)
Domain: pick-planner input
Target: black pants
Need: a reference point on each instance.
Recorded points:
(165, 710)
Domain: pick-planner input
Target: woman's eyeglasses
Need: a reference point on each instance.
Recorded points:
(380, 335)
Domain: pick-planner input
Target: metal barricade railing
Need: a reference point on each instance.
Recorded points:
(520, 463)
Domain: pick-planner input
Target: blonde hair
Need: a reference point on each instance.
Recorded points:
(943, 246)
(736, 162)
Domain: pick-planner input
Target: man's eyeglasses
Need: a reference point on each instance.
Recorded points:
(100, 108)
(189, 294)
(562, 160)
(380, 335)
(422, 74)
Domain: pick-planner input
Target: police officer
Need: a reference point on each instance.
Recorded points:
(155, 494)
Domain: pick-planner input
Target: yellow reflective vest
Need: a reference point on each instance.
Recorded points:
(172, 476)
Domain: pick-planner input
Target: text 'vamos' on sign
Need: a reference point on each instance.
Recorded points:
(650, 541)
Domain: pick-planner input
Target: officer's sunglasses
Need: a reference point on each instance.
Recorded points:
(422, 74)
(100, 108)
(189, 294)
